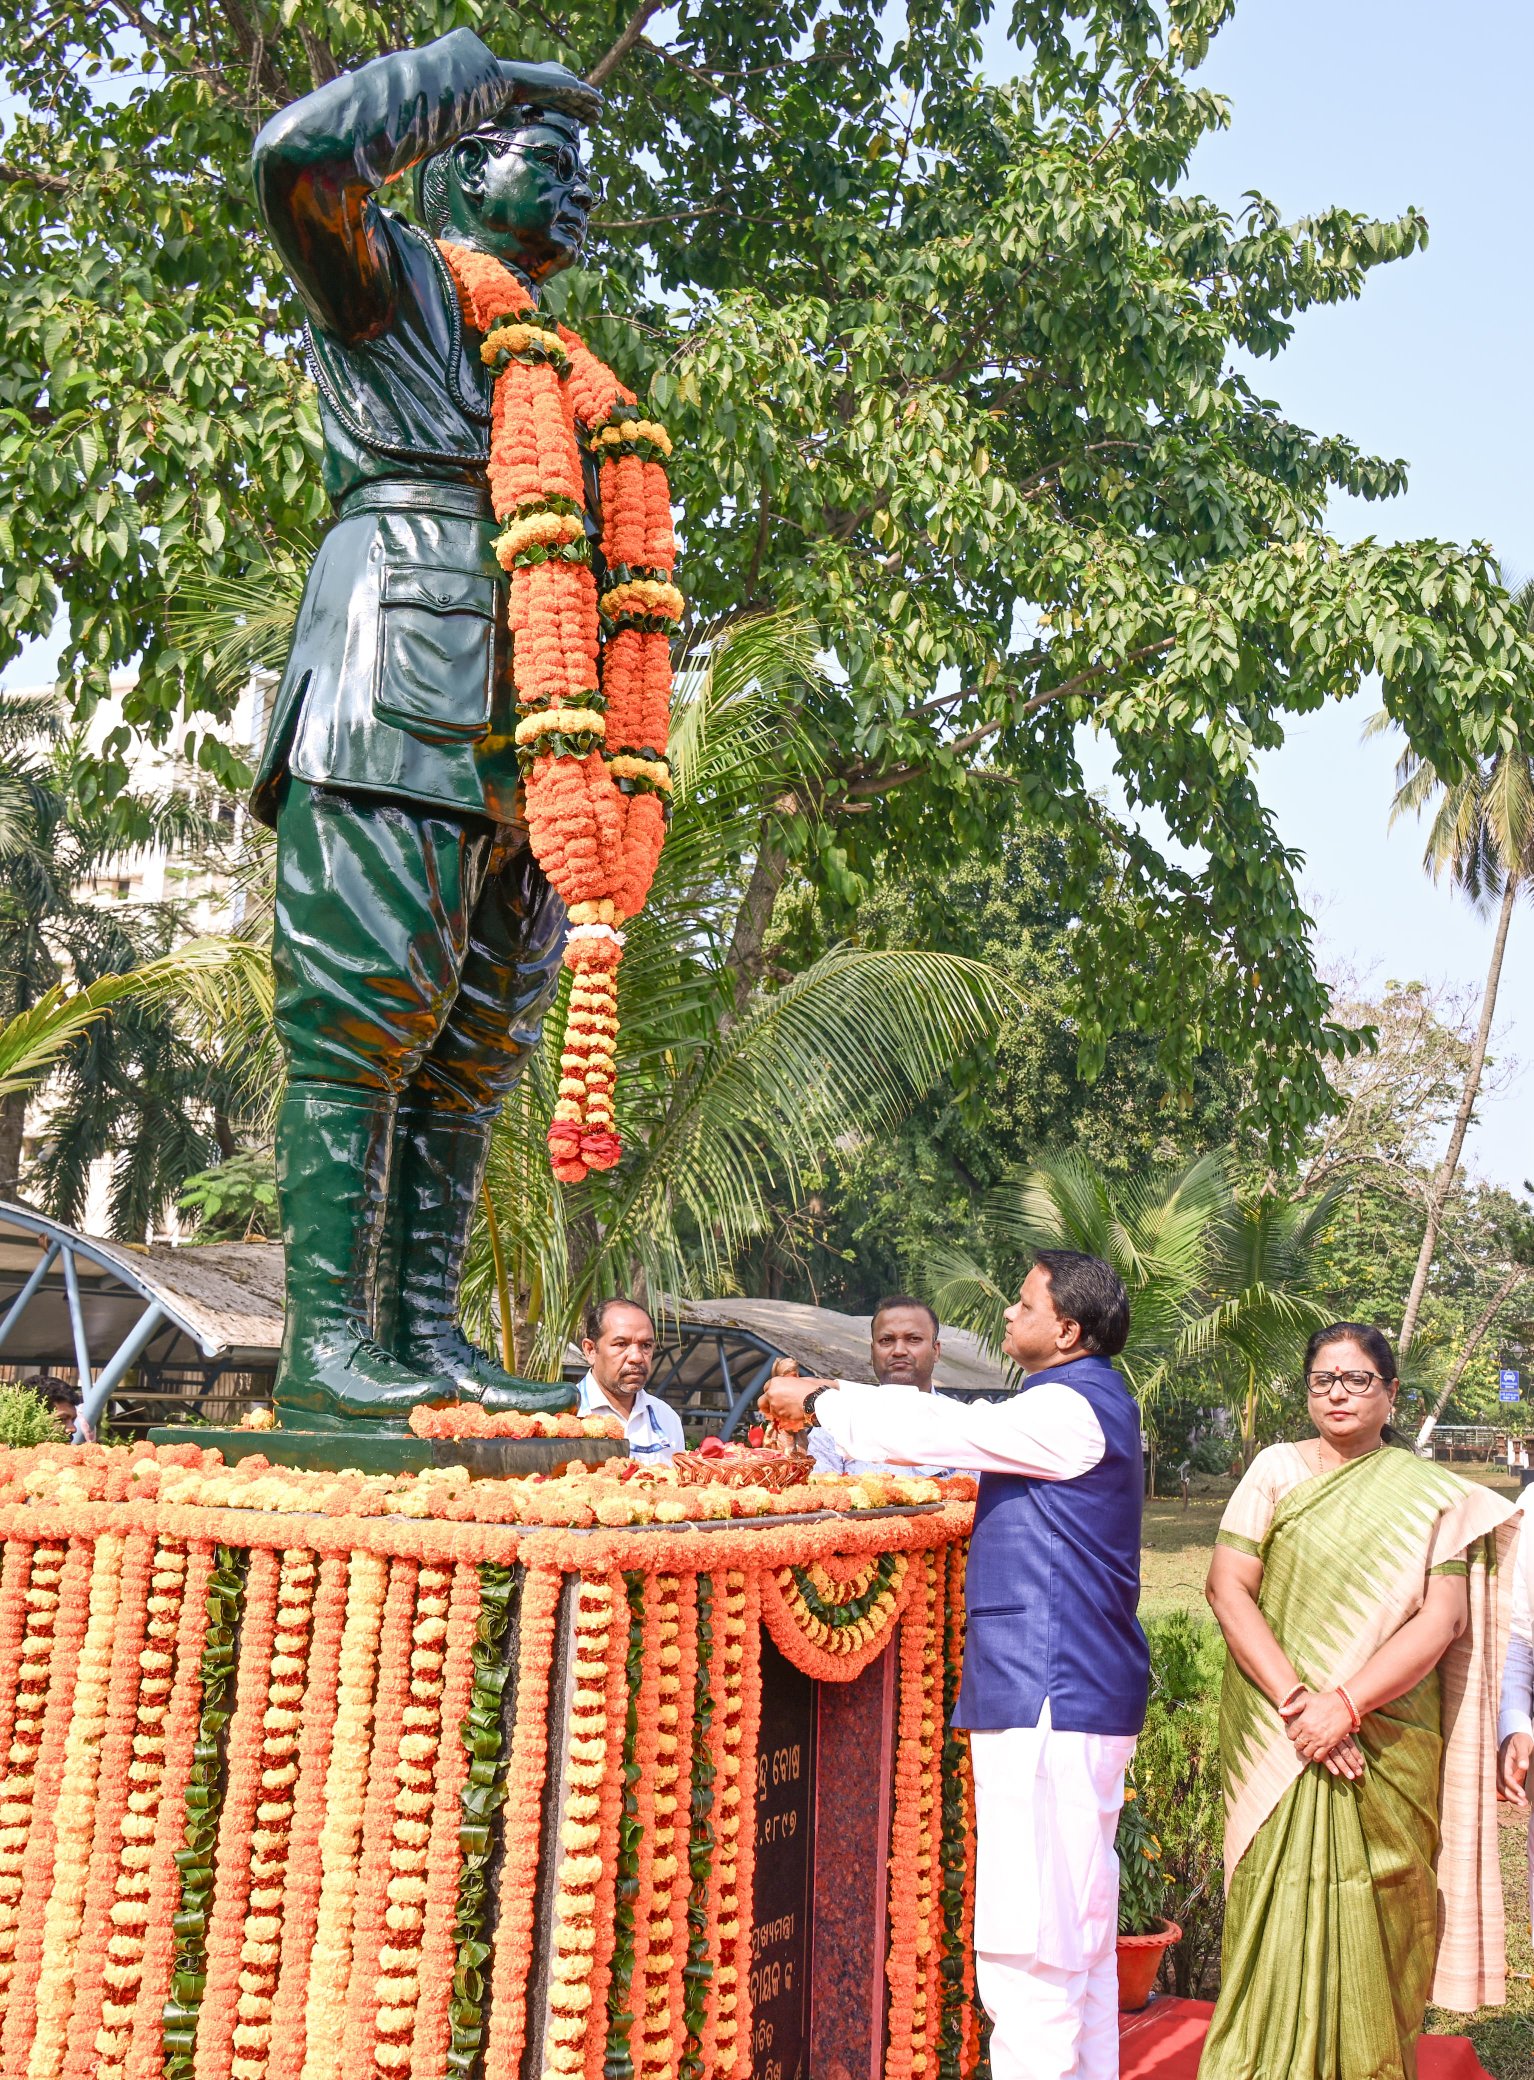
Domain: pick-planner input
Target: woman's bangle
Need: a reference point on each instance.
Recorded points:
(1352, 1708)
(1289, 1696)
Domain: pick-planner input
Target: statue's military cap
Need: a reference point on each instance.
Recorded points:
(553, 87)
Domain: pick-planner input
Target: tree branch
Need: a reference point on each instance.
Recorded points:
(26, 177)
(613, 57)
(872, 784)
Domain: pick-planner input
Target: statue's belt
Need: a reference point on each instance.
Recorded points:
(411, 495)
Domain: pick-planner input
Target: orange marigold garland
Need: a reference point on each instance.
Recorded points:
(31, 1589)
(60, 1634)
(522, 1825)
(341, 1833)
(902, 1965)
(239, 1824)
(118, 1877)
(444, 1858)
(170, 1684)
(575, 2014)
(76, 1815)
(593, 713)
(374, 1911)
(737, 1952)
(312, 1721)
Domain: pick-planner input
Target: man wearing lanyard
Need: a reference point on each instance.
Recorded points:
(619, 1349)
(1055, 1664)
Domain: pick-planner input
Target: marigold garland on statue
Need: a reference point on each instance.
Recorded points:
(593, 675)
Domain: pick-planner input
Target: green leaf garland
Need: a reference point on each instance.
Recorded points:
(204, 1802)
(483, 1734)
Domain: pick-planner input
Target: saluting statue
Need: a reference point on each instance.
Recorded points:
(417, 940)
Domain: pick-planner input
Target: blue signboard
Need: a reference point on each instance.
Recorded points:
(1507, 1384)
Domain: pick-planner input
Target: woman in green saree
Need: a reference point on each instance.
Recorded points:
(1357, 1589)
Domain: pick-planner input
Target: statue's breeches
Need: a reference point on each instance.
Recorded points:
(414, 953)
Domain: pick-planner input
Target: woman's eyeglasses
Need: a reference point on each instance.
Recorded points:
(1353, 1382)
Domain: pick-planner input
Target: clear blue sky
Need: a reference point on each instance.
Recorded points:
(1381, 104)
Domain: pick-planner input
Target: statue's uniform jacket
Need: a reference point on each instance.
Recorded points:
(416, 940)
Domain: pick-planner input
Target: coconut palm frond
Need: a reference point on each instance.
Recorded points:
(230, 628)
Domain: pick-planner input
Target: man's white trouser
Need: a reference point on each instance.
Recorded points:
(1046, 1898)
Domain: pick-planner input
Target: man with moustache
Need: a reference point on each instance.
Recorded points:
(903, 1348)
(619, 1349)
(1056, 1670)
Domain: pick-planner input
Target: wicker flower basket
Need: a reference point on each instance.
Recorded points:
(774, 1470)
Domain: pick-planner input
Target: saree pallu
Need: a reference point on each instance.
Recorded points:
(1350, 1905)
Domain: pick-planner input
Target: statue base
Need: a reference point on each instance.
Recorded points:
(358, 1451)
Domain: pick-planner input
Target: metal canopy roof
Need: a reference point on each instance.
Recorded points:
(103, 1307)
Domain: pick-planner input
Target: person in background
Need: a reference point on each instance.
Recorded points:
(903, 1348)
(58, 1397)
(619, 1349)
(1357, 1589)
(1056, 1668)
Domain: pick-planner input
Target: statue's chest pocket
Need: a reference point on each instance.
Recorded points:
(436, 652)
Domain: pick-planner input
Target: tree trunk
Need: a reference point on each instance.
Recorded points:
(743, 962)
(13, 1116)
(1494, 1306)
(1444, 1181)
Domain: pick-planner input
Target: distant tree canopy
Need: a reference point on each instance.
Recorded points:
(948, 363)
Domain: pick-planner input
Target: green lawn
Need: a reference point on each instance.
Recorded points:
(1175, 1559)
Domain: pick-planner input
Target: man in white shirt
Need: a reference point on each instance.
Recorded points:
(619, 1349)
(903, 1349)
(1056, 1668)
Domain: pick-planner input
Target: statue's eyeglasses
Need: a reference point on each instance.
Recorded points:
(562, 160)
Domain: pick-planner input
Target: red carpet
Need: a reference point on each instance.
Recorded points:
(1164, 2042)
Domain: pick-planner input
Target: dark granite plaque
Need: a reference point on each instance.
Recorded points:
(785, 1844)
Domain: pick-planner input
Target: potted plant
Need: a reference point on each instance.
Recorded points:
(1145, 1934)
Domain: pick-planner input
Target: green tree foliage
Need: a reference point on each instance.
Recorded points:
(26, 1419)
(950, 366)
(863, 1227)
(236, 1201)
(724, 1094)
(1177, 1777)
(1223, 1290)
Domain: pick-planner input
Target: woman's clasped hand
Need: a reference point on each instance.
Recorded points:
(1321, 1726)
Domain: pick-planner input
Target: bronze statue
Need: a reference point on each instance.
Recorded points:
(417, 941)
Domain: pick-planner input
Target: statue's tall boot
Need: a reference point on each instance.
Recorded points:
(439, 1164)
(333, 1149)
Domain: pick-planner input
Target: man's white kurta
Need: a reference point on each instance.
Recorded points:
(1046, 1802)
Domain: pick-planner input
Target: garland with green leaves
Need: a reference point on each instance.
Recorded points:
(483, 1734)
(618, 2063)
(204, 1801)
(853, 1612)
(698, 1971)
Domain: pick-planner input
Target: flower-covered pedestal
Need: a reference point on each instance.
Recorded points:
(338, 1777)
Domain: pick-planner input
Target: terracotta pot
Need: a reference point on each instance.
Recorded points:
(1139, 1961)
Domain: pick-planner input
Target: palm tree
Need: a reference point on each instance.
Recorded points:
(726, 1088)
(1222, 1293)
(1482, 836)
(58, 836)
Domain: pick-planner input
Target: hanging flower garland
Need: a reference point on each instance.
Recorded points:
(31, 1584)
(345, 1799)
(593, 675)
(575, 2014)
(308, 1722)
(66, 1638)
(444, 1849)
(116, 1877)
(522, 1829)
(833, 1630)
(76, 1813)
(696, 1975)
(903, 1968)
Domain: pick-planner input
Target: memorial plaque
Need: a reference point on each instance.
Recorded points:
(785, 1859)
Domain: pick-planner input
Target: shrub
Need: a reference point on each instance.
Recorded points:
(1177, 1778)
(235, 1201)
(25, 1418)
(1142, 1876)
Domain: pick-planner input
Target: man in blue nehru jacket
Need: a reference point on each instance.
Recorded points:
(1055, 1664)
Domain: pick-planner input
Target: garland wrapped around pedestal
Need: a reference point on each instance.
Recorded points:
(359, 1781)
